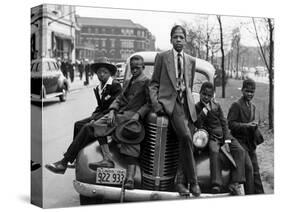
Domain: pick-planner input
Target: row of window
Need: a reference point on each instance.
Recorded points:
(125, 43)
(127, 32)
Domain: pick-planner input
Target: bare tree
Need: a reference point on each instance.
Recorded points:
(268, 61)
(222, 58)
(235, 43)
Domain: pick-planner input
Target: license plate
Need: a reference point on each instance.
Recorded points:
(110, 176)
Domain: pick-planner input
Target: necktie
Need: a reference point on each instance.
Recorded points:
(179, 65)
(180, 78)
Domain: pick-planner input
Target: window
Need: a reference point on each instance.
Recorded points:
(103, 43)
(103, 30)
(96, 30)
(89, 29)
(34, 67)
(127, 44)
(52, 66)
(112, 43)
(125, 53)
(96, 40)
(46, 66)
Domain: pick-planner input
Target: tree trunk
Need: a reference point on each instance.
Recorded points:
(269, 66)
(237, 59)
(271, 76)
(222, 58)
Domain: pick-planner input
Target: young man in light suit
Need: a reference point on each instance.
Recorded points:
(170, 92)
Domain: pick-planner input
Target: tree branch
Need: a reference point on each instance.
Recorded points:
(261, 49)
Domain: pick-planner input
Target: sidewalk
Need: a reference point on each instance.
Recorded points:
(78, 84)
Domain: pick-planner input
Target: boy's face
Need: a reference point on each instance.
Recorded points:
(178, 40)
(248, 93)
(136, 68)
(103, 74)
(206, 95)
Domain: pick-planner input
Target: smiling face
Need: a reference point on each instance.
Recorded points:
(137, 67)
(248, 93)
(206, 95)
(178, 39)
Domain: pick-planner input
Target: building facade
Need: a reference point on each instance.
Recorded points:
(116, 39)
(53, 30)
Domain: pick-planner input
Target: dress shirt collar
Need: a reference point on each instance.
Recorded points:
(108, 82)
(176, 53)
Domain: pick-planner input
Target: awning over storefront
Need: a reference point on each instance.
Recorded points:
(64, 36)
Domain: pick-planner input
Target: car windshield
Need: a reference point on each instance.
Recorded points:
(34, 67)
(199, 79)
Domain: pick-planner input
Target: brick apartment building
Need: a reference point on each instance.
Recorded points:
(116, 39)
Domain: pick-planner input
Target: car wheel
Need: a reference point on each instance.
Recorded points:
(63, 95)
(90, 201)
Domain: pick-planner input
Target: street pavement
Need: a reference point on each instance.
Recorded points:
(52, 133)
(78, 84)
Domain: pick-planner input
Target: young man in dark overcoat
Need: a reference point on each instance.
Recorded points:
(241, 121)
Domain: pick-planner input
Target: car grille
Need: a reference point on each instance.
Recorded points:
(159, 156)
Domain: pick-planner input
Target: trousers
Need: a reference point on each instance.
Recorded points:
(179, 123)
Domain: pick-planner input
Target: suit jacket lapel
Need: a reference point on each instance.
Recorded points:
(246, 110)
(171, 68)
(187, 70)
(97, 95)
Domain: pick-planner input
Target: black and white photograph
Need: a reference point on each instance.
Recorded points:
(134, 105)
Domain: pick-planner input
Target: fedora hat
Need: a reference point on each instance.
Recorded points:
(131, 132)
(103, 62)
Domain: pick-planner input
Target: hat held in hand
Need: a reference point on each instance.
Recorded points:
(131, 132)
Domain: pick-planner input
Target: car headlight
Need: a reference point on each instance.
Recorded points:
(200, 138)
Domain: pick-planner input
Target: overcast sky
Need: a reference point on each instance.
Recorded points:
(160, 23)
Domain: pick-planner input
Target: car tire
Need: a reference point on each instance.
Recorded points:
(63, 96)
(90, 201)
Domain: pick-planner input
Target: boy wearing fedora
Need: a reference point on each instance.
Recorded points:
(122, 121)
(210, 117)
(105, 92)
(241, 121)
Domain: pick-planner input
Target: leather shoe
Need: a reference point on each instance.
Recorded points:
(105, 163)
(235, 189)
(35, 166)
(57, 167)
(216, 189)
(183, 191)
(129, 184)
(195, 189)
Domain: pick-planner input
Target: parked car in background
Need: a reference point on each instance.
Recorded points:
(158, 162)
(120, 71)
(47, 80)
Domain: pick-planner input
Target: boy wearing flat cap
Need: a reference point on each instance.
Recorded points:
(241, 121)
